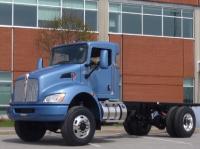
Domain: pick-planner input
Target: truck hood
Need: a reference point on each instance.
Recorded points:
(54, 75)
(56, 69)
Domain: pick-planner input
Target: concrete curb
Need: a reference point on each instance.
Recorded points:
(7, 130)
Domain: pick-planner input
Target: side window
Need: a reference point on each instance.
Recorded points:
(95, 56)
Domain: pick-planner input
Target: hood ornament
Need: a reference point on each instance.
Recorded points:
(26, 77)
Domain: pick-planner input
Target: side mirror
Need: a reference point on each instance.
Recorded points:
(104, 59)
(40, 63)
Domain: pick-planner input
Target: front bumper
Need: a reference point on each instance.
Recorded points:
(37, 112)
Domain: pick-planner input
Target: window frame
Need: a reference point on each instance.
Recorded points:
(188, 86)
(10, 19)
(143, 4)
(22, 5)
(60, 7)
(7, 81)
(99, 50)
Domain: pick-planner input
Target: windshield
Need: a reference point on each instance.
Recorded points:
(70, 54)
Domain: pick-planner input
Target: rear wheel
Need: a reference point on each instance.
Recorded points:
(137, 125)
(79, 126)
(170, 121)
(185, 122)
(29, 131)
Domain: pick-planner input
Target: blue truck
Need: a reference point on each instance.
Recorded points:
(80, 91)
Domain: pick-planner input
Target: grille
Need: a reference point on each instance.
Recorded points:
(26, 91)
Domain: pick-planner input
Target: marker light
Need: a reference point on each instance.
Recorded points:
(73, 76)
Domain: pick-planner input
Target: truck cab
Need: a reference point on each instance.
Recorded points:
(79, 90)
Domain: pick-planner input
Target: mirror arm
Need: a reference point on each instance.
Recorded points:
(90, 64)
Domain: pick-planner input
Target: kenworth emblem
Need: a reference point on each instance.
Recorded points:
(25, 84)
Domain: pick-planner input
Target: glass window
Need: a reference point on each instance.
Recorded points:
(49, 2)
(114, 22)
(79, 14)
(25, 15)
(46, 15)
(26, 2)
(152, 10)
(5, 0)
(187, 13)
(5, 87)
(156, 20)
(188, 85)
(132, 23)
(91, 5)
(172, 12)
(6, 14)
(188, 28)
(132, 8)
(91, 19)
(77, 4)
(70, 54)
(172, 26)
(115, 7)
(152, 25)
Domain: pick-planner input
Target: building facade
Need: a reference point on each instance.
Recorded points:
(161, 38)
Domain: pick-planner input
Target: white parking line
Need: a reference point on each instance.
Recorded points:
(95, 145)
(167, 140)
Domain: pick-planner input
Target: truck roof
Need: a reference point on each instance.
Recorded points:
(99, 44)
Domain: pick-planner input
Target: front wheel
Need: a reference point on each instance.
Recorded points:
(29, 131)
(79, 126)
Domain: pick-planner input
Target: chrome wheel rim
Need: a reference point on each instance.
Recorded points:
(81, 126)
(188, 122)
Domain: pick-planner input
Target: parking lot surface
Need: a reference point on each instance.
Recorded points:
(108, 138)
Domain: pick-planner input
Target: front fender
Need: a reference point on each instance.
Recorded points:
(71, 90)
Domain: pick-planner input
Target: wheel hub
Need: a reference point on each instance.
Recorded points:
(188, 122)
(81, 126)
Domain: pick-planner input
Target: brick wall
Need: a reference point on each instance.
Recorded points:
(5, 49)
(25, 50)
(153, 68)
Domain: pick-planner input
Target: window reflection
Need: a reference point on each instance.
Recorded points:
(25, 15)
(150, 20)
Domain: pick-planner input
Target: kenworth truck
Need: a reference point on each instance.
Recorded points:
(80, 91)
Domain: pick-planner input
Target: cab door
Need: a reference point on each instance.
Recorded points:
(101, 80)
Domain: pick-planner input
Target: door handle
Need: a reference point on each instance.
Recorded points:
(108, 87)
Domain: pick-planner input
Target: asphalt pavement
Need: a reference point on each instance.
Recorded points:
(108, 138)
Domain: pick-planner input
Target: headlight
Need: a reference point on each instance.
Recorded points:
(56, 98)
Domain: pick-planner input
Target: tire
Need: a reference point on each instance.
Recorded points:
(185, 122)
(29, 131)
(84, 121)
(134, 126)
(170, 121)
